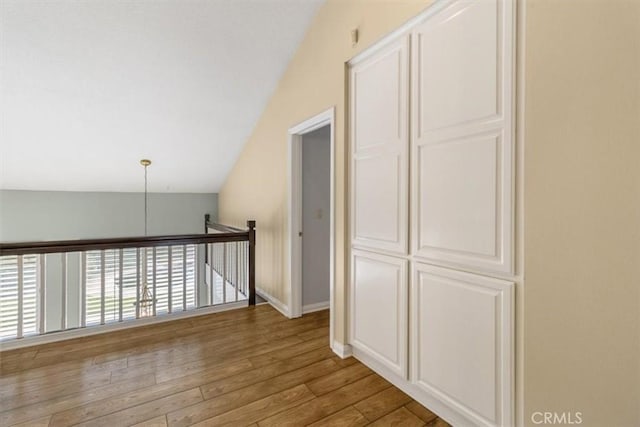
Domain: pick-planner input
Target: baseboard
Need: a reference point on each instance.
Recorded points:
(319, 306)
(274, 302)
(435, 405)
(342, 350)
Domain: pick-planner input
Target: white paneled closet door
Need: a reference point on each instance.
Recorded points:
(462, 202)
(461, 341)
(437, 96)
(379, 206)
(379, 309)
(462, 136)
(379, 150)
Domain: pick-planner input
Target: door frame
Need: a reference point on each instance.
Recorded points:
(294, 178)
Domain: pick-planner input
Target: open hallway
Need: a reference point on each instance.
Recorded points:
(242, 367)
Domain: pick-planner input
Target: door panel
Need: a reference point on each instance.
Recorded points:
(457, 196)
(379, 308)
(379, 135)
(377, 197)
(462, 137)
(461, 348)
(457, 53)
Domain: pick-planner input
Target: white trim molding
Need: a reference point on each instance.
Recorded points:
(274, 302)
(342, 350)
(319, 306)
(295, 133)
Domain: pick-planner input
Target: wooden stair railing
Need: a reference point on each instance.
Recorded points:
(24, 278)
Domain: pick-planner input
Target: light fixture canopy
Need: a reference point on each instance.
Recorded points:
(145, 162)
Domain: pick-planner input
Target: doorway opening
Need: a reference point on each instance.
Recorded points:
(311, 216)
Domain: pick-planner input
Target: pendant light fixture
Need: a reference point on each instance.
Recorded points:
(146, 297)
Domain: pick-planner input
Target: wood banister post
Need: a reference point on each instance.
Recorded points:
(252, 261)
(207, 217)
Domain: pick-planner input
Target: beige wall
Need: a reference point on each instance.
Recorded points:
(582, 210)
(313, 82)
(582, 190)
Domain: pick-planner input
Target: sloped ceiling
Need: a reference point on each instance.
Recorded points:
(88, 88)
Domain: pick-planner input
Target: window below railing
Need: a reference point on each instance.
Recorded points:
(18, 296)
(56, 286)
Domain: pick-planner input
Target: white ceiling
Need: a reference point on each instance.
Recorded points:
(88, 88)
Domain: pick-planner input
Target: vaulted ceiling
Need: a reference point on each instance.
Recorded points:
(87, 89)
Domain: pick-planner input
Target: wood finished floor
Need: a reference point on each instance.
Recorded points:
(247, 367)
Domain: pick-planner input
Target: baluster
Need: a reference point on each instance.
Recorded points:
(184, 277)
(137, 283)
(20, 295)
(83, 290)
(154, 293)
(63, 305)
(252, 262)
(224, 272)
(102, 285)
(212, 285)
(196, 275)
(244, 268)
(42, 281)
(121, 273)
(236, 281)
(170, 269)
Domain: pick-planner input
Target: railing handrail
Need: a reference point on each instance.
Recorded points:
(45, 247)
(172, 273)
(219, 227)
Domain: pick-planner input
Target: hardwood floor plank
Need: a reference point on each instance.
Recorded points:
(264, 407)
(315, 333)
(238, 398)
(338, 379)
(345, 362)
(421, 412)
(119, 343)
(287, 352)
(35, 395)
(42, 422)
(160, 421)
(53, 406)
(327, 404)
(246, 367)
(382, 403)
(201, 364)
(253, 376)
(439, 422)
(184, 362)
(143, 412)
(62, 370)
(96, 408)
(348, 417)
(400, 417)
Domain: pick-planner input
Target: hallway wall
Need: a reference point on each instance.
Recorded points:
(582, 210)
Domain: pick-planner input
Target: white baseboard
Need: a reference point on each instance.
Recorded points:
(435, 405)
(342, 350)
(129, 324)
(319, 306)
(275, 302)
